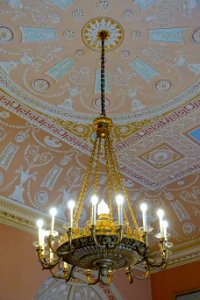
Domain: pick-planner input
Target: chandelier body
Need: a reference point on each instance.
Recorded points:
(103, 244)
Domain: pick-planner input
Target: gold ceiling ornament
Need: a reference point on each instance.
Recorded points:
(103, 244)
(91, 33)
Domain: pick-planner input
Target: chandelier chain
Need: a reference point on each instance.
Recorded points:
(115, 172)
(123, 187)
(96, 179)
(84, 186)
(108, 177)
(103, 112)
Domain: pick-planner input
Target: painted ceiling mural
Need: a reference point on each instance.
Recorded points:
(50, 93)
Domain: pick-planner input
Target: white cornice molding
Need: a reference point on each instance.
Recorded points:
(23, 217)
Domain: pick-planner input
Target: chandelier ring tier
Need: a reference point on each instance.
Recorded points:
(104, 244)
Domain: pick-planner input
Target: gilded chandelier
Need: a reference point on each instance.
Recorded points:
(103, 244)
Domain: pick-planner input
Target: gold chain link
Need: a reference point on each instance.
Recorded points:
(117, 183)
(84, 186)
(96, 179)
(108, 177)
(117, 170)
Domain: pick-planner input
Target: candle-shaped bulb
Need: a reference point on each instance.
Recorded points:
(120, 201)
(160, 214)
(40, 223)
(143, 208)
(94, 201)
(165, 226)
(53, 212)
(71, 205)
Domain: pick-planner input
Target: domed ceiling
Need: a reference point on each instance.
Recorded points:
(49, 95)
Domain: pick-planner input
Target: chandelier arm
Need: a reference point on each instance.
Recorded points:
(106, 245)
(94, 236)
(143, 253)
(50, 243)
(120, 237)
(153, 262)
(70, 233)
(43, 261)
(84, 186)
(144, 276)
(123, 188)
(66, 276)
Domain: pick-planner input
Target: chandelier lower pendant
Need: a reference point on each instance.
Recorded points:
(103, 244)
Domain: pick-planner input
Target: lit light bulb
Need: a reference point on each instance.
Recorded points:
(143, 208)
(160, 214)
(53, 211)
(40, 223)
(40, 233)
(71, 204)
(165, 225)
(103, 208)
(94, 200)
(119, 199)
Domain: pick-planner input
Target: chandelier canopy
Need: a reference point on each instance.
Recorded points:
(105, 243)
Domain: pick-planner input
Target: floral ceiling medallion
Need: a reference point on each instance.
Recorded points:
(91, 30)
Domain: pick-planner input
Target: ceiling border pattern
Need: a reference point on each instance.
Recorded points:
(160, 124)
(44, 123)
(77, 143)
(11, 88)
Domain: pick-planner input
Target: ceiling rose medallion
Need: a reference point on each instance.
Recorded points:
(91, 33)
